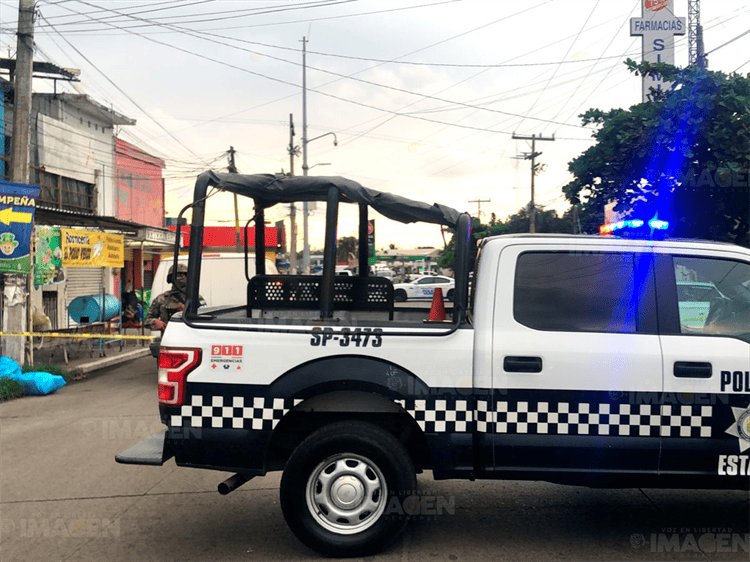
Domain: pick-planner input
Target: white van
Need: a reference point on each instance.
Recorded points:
(222, 281)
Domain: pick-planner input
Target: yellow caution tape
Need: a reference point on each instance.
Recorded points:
(61, 335)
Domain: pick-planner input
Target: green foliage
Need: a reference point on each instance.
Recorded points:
(545, 221)
(10, 388)
(684, 155)
(51, 368)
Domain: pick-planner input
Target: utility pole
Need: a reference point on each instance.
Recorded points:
(292, 211)
(305, 210)
(19, 171)
(305, 167)
(233, 170)
(14, 318)
(697, 56)
(534, 170)
(479, 206)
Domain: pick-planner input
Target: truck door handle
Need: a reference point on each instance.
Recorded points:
(692, 370)
(522, 364)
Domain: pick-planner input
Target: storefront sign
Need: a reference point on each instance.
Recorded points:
(17, 205)
(47, 256)
(157, 235)
(86, 248)
(371, 242)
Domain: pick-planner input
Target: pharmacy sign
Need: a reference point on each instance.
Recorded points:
(657, 26)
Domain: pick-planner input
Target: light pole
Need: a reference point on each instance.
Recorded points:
(305, 169)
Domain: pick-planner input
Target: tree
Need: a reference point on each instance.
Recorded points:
(684, 156)
(546, 221)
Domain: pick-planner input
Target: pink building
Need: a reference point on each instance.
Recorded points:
(139, 186)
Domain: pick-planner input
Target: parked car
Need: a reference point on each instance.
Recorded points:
(423, 287)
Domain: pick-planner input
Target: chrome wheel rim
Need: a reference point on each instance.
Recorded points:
(346, 493)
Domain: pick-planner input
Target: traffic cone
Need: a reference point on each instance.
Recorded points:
(437, 312)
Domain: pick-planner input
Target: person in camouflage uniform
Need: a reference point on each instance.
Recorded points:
(165, 305)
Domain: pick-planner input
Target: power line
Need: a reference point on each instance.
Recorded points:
(126, 95)
(368, 82)
(554, 73)
(728, 42)
(309, 20)
(333, 96)
(206, 17)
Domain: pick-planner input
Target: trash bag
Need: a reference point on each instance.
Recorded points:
(8, 367)
(39, 383)
(36, 383)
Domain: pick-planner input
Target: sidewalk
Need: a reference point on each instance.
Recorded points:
(86, 358)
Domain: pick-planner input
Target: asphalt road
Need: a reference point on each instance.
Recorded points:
(63, 497)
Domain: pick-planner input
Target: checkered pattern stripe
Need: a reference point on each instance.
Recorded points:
(563, 418)
(233, 412)
(440, 416)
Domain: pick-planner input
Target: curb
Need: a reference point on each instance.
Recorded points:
(109, 361)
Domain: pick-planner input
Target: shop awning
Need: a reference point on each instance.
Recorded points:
(134, 232)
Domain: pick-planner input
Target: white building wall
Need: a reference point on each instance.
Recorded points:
(78, 145)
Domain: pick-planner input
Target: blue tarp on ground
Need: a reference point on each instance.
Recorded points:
(34, 384)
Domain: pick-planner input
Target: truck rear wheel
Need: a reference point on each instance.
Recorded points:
(343, 488)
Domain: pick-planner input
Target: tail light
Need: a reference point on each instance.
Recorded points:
(175, 364)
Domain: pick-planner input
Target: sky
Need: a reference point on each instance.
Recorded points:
(423, 96)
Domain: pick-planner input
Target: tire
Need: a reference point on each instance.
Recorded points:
(449, 296)
(368, 468)
(399, 295)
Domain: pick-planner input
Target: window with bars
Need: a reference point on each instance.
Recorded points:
(64, 193)
(57, 192)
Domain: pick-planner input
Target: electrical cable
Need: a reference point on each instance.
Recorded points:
(339, 98)
(309, 20)
(554, 73)
(126, 95)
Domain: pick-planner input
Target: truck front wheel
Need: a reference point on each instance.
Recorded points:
(343, 489)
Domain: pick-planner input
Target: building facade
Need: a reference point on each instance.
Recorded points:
(89, 179)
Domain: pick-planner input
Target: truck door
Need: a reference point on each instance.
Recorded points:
(706, 350)
(576, 368)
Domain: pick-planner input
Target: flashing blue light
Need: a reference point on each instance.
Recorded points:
(657, 224)
(632, 225)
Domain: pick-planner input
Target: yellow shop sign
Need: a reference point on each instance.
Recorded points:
(86, 248)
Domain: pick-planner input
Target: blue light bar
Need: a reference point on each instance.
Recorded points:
(657, 224)
(631, 224)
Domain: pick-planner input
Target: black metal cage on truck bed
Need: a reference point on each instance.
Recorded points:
(327, 292)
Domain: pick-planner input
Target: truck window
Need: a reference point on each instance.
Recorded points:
(575, 292)
(713, 296)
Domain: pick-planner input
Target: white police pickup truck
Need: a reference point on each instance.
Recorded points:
(571, 363)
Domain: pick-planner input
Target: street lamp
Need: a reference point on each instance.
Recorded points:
(305, 169)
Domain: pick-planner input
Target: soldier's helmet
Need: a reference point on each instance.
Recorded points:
(181, 278)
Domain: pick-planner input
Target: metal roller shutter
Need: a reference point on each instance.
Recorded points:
(82, 281)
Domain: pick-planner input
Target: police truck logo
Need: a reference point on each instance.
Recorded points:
(741, 428)
(226, 357)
